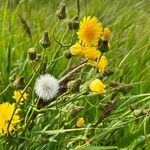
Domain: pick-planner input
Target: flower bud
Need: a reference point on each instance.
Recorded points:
(32, 54)
(19, 83)
(38, 57)
(45, 42)
(74, 85)
(12, 78)
(61, 12)
(74, 109)
(124, 89)
(103, 46)
(106, 34)
(109, 71)
(74, 23)
(138, 112)
(67, 54)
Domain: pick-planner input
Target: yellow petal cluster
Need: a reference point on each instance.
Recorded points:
(90, 31)
(91, 53)
(76, 49)
(80, 122)
(106, 34)
(97, 86)
(102, 64)
(17, 96)
(6, 111)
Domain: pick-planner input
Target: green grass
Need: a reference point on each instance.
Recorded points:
(129, 55)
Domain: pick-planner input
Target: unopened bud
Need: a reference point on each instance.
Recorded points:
(103, 46)
(73, 110)
(124, 89)
(106, 34)
(61, 12)
(67, 54)
(74, 85)
(109, 71)
(114, 84)
(74, 23)
(32, 54)
(19, 83)
(138, 112)
(38, 57)
(45, 42)
(12, 78)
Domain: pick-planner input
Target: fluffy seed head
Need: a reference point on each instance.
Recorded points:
(46, 86)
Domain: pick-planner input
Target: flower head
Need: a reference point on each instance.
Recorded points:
(6, 111)
(102, 64)
(46, 86)
(90, 31)
(17, 96)
(76, 49)
(106, 34)
(91, 53)
(97, 86)
(80, 122)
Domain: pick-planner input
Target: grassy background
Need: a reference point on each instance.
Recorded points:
(129, 55)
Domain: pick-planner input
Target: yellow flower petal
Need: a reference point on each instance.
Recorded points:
(80, 122)
(106, 34)
(90, 31)
(76, 49)
(91, 53)
(6, 111)
(102, 64)
(17, 95)
(97, 86)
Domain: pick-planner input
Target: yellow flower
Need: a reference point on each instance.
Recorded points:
(90, 31)
(91, 53)
(17, 95)
(91, 62)
(102, 64)
(6, 111)
(80, 122)
(76, 49)
(97, 86)
(106, 34)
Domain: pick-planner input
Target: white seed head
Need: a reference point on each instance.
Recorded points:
(46, 86)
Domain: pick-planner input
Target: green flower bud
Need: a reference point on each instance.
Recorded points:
(38, 57)
(73, 110)
(61, 12)
(45, 42)
(74, 85)
(109, 71)
(67, 54)
(12, 78)
(124, 89)
(32, 54)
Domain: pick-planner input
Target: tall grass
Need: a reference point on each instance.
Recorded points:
(129, 55)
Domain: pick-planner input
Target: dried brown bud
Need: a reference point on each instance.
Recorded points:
(103, 46)
(61, 12)
(19, 83)
(73, 110)
(74, 23)
(32, 54)
(109, 71)
(45, 42)
(124, 89)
